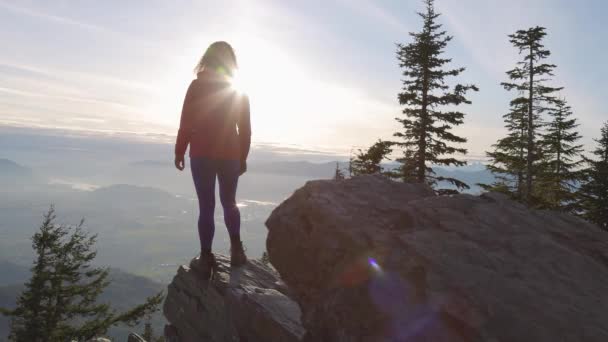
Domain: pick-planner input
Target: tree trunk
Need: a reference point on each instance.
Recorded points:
(421, 176)
(558, 165)
(530, 130)
(520, 171)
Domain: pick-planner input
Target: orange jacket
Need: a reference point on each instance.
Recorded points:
(215, 120)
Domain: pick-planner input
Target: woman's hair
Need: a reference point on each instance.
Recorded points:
(220, 58)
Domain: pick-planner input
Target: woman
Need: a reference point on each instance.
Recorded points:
(215, 123)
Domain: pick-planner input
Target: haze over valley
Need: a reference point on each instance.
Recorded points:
(129, 193)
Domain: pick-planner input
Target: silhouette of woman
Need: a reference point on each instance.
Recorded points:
(215, 123)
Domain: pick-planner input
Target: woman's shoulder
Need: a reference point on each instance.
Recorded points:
(193, 83)
(197, 86)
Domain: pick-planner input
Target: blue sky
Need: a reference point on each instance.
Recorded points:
(321, 74)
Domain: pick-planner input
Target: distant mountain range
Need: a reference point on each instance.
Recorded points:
(161, 174)
(470, 174)
(471, 177)
(9, 170)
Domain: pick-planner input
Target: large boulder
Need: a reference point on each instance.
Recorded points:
(369, 259)
(250, 303)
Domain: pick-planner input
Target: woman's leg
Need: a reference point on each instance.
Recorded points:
(228, 177)
(204, 172)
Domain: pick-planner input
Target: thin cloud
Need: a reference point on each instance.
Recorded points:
(20, 92)
(377, 13)
(32, 12)
(57, 19)
(79, 76)
(489, 48)
(484, 32)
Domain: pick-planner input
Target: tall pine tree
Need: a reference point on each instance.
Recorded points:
(594, 190)
(59, 303)
(27, 323)
(561, 159)
(530, 78)
(426, 137)
(508, 160)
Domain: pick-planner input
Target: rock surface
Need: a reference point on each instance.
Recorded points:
(369, 259)
(245, 304)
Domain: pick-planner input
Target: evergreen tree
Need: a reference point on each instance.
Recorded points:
(594, 190)
(508, 160)
(265, 258)
(29, 316)
(369, 162)
(148, 333)
(338, 174)
(561, 159)
(426, 137)
(59, 302)
(530, 78)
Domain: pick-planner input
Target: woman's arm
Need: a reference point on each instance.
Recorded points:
(185, 128)
(244, 126)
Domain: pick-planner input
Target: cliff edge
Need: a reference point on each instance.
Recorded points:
(245, 304)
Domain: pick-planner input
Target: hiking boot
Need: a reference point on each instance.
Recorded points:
(204, 265)
(237, 254)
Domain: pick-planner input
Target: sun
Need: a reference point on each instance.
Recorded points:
(237, 83)
(266, 72)
(288, 98)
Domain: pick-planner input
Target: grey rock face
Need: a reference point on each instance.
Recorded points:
(245, 304)
(369, 259)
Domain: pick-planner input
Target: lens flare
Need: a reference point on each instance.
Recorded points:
(372, 262)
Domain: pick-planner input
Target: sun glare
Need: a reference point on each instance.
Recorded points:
(290, 100)
(237, 83)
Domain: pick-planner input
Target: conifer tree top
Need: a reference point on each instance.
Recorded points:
(426, 137)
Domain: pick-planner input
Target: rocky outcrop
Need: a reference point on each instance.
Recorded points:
(369, 259)
(244, 304)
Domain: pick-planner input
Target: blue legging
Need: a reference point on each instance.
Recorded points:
(204, 172)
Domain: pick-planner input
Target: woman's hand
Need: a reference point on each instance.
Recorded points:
(243, 167)
(179, 162)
